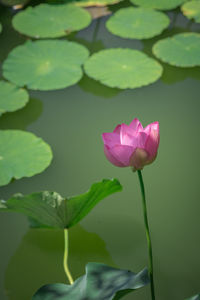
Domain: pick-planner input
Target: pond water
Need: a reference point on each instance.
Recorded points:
(71, 121)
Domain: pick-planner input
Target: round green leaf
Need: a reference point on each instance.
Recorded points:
(123, 68)
(50, 21)
(86, 3)
(11, 97)
(45, 65)
(180, 50)
(99, 282)
(137, 23)
(159, 4)
(22, 154)
(191, 10)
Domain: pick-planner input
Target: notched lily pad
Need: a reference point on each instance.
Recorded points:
(22, 154)
(180, 50)
(137, 23)
(99, 282)
(50, 21)
(52, 210)
(45, 65)
(87, 3)
(125, 68)
(191, 10)
(11, 97)
(196, 297)
(159, 4)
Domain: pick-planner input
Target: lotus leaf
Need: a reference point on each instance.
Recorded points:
(191, 10)
(180, 50)
(86, 3)
(196, 297)
(22, 154)
(137, 23)
(49, 209)
(125, 68)
(11, 97)
(45, 65)
(159, 4)
(99, 282)
(50, 21)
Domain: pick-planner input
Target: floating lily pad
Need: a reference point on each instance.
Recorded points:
(45, 65)
(11, 97)
(123, 68)
(99, 282)
(159, 4)
(51, 210)
(180, 50)
(137, 23)
(86, 3)
(196, 297)
(22, 154)
(50, 21)
(191, 10)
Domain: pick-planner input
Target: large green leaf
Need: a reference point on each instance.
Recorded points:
(50, 21)
(86, 3)
(191, 10)
(125, 68)
(159, 4)
(11, 97)
(45, 65)
(22, 154)
(51, 210)
(137, 23)
(99, 282)
(180, 50)
(196, 297)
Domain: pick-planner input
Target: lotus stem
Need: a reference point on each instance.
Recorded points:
(147, 234)
(65, 260)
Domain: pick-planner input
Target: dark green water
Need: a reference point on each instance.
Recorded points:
(71, 121)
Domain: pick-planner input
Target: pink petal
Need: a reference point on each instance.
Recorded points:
(135, 125)
(117, 129)
(153, 140)
(111, 139)
(141, 140)
(128, 136)
(122, 154)
(111, 158)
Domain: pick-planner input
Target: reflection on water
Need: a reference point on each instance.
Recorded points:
(38, 259)
(22, 118)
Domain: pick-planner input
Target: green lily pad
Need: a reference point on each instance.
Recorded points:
(159, 4)
(45, 65)
(180, 50)
(51, 210)
(137, 23)
(191, 10)
(50, 21)
(22, 154)
(196, 297)
(99, 282)
(11, 97)
(86, 3)
(125, 68)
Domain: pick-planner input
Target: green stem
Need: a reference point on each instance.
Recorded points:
(65, 260)
(147, 234)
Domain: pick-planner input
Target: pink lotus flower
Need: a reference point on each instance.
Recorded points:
(132, 145)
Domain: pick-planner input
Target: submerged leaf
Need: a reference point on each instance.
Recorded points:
(191, 10)
(125, 68)
(196, 297)
(22, 154)
(51, 210)
(137, 23)
(45, 65)
(180, 50)
(99, 282)
(50, 21)
(11, 97)
(159, 4)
